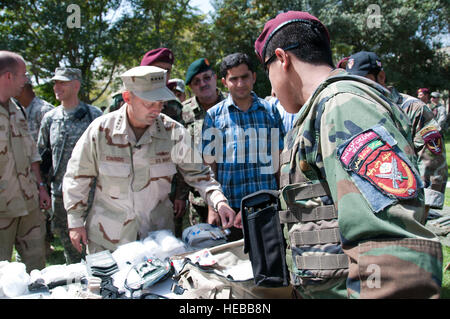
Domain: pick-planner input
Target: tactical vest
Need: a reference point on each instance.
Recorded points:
(309, 216)
(311, 230)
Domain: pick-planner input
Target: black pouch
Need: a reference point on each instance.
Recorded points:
(263, 238)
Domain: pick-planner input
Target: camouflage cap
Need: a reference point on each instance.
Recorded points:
(178, 84)
(196, 67)
(67, 74)
(364, 62)
(148, 83)
(436, 94)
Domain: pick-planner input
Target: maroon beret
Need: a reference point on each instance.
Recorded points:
(423, 90)
(171, 85)
(274, 25)
(157, 55)
(343, 63)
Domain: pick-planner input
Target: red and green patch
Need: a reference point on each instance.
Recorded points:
(377, 162)
(432, 139)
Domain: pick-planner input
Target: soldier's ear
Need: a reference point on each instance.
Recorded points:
(126, 96)
(381, 77)
(77, 85)
(283, 57)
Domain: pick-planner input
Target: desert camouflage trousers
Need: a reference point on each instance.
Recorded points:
(27, 234)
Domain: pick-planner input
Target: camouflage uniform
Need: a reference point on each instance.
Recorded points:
(440, 114)
(179, 189)
(133, 179)
(60, 130)
(35, 112)
(351, 198)
(193, 115)
(21, 222)
(429, 148)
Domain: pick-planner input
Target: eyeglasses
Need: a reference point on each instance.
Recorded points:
(273, 57)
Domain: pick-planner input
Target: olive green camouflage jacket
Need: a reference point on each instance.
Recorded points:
(429, 147)
(352, 200)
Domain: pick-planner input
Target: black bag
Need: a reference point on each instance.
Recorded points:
(263, 238)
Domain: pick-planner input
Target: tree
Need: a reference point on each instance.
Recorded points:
(102, 37)
(56, 33)
(402, 32)
(150, 24)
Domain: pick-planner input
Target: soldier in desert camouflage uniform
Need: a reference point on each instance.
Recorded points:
(21, 221)
(351, 196)
(60, 130)
(133, 154)
(202, 80)
(35, 108)
(428, 143)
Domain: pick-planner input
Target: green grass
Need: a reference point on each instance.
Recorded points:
(447, 149)
(57, 256)
(445, 292)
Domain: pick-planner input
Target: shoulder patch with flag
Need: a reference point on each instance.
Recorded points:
(373, 159)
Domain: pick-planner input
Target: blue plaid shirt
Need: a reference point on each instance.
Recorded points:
(242, 145)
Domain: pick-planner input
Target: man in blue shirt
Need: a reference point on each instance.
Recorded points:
(242, 137)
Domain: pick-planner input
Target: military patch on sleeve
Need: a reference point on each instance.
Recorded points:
(369, 156)
(432, 139)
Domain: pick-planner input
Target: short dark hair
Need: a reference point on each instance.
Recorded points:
(9, 61)
(234, 60)
(313, 43)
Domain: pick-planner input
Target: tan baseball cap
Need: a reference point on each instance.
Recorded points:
(148, 83)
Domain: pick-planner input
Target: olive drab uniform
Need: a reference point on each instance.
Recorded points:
(35, 112)
(440, 115)
(429, 147)
(21, 222)
(351, 199)
(60, 130)
(133, 179)
(193, 116)
(179, 190)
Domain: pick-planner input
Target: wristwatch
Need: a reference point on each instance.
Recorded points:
(42, 184)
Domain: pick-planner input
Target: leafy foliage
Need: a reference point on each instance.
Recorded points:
(115, 34)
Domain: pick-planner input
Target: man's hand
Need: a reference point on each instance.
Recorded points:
(44, 198)
(213, 217)
(78, 236)
(226, 214)
(179, 207)
(238, 220)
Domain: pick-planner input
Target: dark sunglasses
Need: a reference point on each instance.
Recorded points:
(273, 57)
